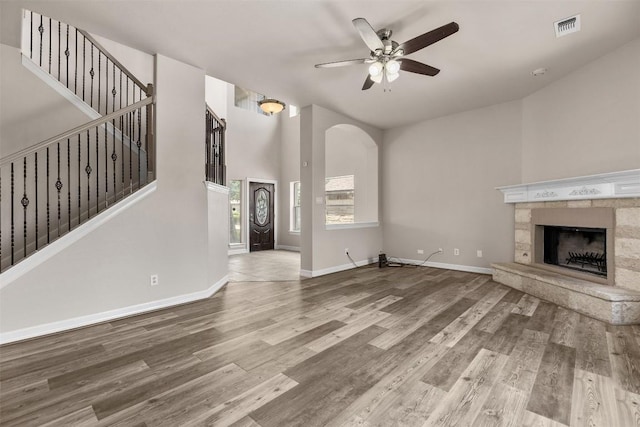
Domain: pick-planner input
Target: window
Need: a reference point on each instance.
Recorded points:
(235, 212)
(293, 110)
(340, 198)
(295, 207)
(248, 100)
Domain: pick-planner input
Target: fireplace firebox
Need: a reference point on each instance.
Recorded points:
(578, 248)
(576, 242)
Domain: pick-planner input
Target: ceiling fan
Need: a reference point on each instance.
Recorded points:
(387, 57)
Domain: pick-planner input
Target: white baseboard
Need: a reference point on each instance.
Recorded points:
(456, 267)
(106, 316)
(76, 234)
(288, 248)
(335, 269)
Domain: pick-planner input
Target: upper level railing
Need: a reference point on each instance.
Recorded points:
(215, 168)
(80, 63)
(50, 188)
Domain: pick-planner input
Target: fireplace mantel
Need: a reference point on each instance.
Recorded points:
(621, 184)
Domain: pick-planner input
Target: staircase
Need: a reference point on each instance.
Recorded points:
(52, 187)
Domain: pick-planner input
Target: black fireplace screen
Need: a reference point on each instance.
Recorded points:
(577, 248)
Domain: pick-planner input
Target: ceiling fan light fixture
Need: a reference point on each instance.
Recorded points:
(392, 67)
(378, 78)
(375, 70)
(271, 106)
(392, 76)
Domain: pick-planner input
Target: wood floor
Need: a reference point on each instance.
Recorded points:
(398, 346)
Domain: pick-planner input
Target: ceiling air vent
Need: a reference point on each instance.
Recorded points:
(567, 26)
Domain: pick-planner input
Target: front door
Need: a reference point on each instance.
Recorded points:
(261, 216)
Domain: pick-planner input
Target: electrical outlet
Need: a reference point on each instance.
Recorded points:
(346, 251)
(154, 279)
(420, 251)
(456, 251)
(479, 253)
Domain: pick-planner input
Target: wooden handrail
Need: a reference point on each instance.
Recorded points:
(75, 131)
(105, 52)
(223, 122)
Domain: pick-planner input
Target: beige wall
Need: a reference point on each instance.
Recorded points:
(289, 171)
(253, 143)
(585, 123)
(216, 95)
(165, 233)
(350, 151)
(438, 186)
(323, 249)
(30, 110)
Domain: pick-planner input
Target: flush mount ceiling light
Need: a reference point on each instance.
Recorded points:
(271, 106)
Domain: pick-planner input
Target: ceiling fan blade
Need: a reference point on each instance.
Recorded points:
(412, 66)
(367, 83)
(368, 34)
(429, 38)
(342, 63)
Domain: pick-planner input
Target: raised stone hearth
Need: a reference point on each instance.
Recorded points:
(612, 304)
(607, 201)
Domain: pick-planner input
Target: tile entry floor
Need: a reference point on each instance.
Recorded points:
(265, 266)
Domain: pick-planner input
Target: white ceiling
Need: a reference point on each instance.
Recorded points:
(272, 46)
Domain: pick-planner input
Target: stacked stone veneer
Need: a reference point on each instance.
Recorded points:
(627, 235)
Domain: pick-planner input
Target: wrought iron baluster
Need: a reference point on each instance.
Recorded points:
(79, 182)
(68, 184)
(59, 47)
(67, 53)
(36, 194)
(106, 164)
(13, 226)
(91, 73)
(58, 187)
(120, 103)
(25, 203)
(122, 153)
(75, 70)
(41, 31)
(48, 209)
(31, 36)
(99, 78)
(130, 154)
(88, 172)
(50, 45)
(106, 86)
(139, 144)
(114, 158)
(84, 61)
(97, 171)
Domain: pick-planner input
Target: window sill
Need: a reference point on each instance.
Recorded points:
(352, 225)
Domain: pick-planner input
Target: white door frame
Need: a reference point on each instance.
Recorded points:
(275, 210)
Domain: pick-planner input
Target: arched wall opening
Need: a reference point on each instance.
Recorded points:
(351, 176)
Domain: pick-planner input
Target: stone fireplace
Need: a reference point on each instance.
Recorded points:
(577, 244)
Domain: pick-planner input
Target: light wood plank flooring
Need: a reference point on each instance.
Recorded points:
(371, 347)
